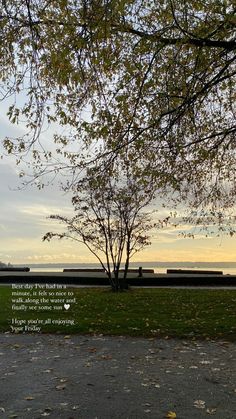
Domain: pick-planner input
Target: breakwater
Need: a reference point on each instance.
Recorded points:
(100, 278)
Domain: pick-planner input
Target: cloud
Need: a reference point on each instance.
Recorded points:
(24, 212)
(57, 258)
(39, 210)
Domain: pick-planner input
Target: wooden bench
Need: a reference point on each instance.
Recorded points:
(140, 271)
(145, 271)
(13, 269)
(193, 272)
(83, 270)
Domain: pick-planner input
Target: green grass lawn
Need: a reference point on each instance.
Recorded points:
(140, 312)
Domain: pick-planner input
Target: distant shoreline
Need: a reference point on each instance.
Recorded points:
(160, 263)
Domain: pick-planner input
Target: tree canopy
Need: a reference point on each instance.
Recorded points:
(157, 77)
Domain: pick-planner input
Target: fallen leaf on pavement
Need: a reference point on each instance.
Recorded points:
(171, 415)
(204, 362)
(211, 411)
(88, 364)
(199, 404)
(107, 357)
(61, 387)
(47, 409)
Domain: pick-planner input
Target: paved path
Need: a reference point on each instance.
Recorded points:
(115, 377)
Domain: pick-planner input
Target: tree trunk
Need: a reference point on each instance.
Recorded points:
(119, 283)
(116, 287)
(125, 284)
(112, 281)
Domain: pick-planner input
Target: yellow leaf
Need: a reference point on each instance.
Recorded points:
(171, 415)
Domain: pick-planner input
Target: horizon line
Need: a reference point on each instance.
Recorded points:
(136, 262)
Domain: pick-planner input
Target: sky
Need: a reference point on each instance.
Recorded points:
(23, 223)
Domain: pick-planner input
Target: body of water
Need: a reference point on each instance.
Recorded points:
(159, 267)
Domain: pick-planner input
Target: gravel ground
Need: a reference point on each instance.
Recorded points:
(81, 377)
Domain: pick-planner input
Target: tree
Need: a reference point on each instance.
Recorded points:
(158, 76)
(110, 220)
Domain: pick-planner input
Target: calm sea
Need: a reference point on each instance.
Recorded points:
(159, 267)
